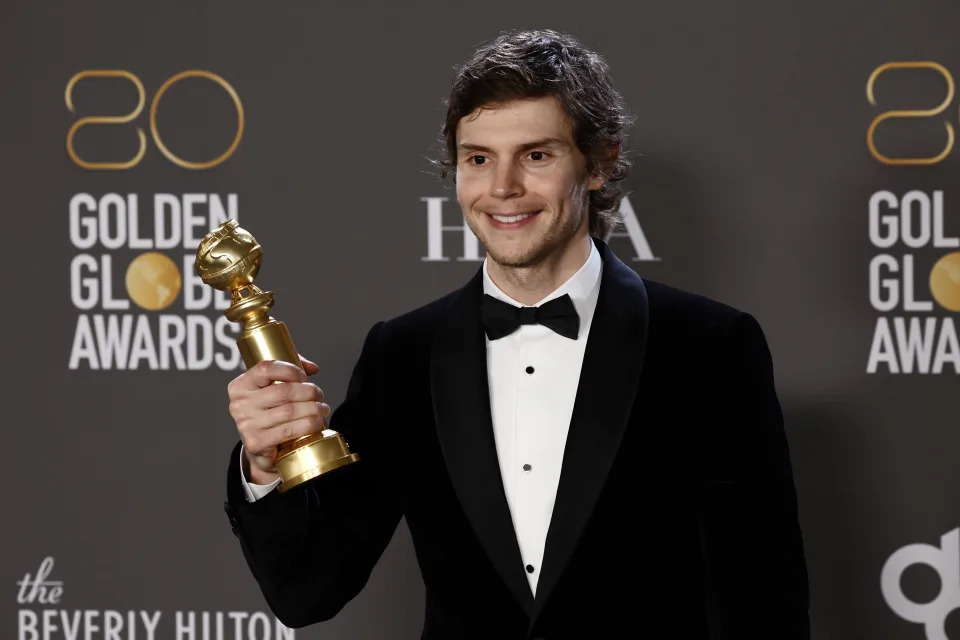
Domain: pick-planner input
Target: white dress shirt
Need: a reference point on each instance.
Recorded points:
(533, 374)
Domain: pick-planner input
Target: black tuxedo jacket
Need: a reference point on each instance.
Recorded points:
(675, 516)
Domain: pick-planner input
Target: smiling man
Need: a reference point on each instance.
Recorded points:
(578, 452)
(524, 193)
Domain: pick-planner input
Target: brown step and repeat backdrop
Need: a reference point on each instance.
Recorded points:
(794, 159)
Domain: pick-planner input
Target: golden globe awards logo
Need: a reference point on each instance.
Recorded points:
(914, 276)
(123, 274)
(140, 304)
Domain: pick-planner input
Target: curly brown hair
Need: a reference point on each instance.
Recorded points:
(543, 62)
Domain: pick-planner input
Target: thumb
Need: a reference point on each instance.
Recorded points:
(309, 366)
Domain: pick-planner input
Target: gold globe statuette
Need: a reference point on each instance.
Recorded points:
(228, 259)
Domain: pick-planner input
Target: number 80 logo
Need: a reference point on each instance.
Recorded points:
(141, 93)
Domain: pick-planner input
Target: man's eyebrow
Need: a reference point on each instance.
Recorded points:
(542, 142)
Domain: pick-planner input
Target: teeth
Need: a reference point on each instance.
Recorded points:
(522, 216)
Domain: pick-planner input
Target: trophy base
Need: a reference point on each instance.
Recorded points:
(310, 456)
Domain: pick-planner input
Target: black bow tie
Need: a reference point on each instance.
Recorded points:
(500, 318)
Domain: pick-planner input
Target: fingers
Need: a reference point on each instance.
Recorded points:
(265, 373)
(250, 410)
(310, 366)
(277, 394)
(278, 418)
(264, 442)
(268, 414)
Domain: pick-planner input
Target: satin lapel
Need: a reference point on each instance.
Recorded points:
(461, 405)
(608, 383)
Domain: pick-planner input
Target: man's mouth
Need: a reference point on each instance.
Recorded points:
(512, 219)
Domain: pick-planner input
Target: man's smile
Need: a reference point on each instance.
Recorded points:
(515, 221)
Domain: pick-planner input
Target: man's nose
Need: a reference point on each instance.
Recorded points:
(507, 181)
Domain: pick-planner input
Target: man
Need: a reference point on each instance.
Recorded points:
(578, 452)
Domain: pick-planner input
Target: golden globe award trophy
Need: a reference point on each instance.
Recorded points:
(228, 258)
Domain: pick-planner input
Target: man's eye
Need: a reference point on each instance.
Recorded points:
(476, 160)
(537, 156)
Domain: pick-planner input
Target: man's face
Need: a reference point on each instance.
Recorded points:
(516, 159)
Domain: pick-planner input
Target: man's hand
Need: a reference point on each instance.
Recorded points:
(268, 414)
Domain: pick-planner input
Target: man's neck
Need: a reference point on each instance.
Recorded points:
(529, 285)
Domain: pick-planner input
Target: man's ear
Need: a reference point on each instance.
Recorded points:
(604, 168)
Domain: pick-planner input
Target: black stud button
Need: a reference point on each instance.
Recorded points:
(529, 369)
(527, 467)
(529, 568)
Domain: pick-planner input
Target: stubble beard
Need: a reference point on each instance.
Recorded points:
(553, 240)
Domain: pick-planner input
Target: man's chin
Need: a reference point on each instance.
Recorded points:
(515, 258)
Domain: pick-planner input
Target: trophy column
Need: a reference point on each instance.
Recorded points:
(228, 258)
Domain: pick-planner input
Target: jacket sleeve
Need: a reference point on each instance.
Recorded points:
(312, 548)
(755, 573)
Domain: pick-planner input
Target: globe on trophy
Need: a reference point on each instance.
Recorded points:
(228, 259)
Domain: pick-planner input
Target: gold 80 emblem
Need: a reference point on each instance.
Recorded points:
(155, 133)
(910, 113)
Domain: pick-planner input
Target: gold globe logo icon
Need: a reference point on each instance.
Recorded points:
(945, 281)
(153, 281)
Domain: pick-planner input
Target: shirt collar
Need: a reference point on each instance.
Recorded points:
(583, 288)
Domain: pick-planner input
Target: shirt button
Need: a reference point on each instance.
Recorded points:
(527, 467)
(529, 369)
(529, 568)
